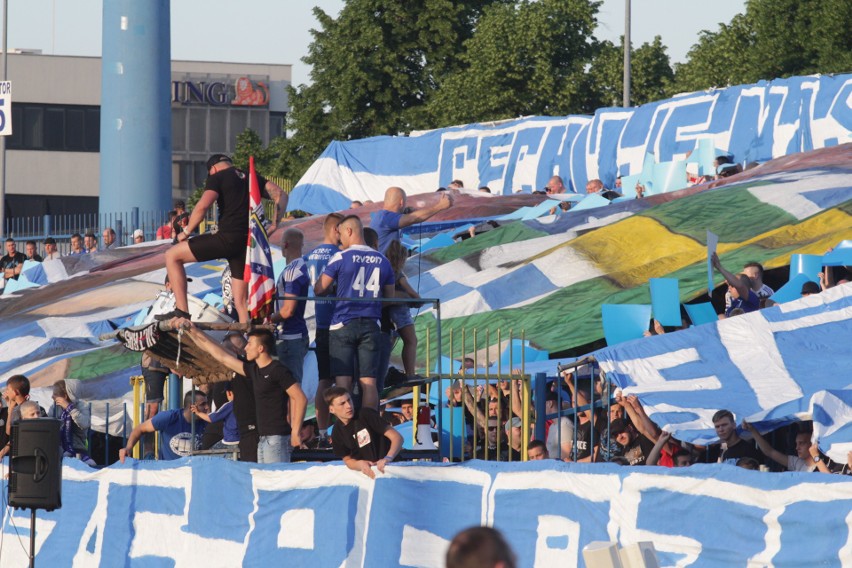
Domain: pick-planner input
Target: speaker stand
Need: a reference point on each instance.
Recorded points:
(32, 537)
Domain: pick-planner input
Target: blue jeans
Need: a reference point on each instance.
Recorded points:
(291, 354)
(273, 449)
(358, 338)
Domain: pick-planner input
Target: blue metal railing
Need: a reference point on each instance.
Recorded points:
(61, 227)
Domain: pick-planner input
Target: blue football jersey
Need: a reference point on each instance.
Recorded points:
(360, 272)
(295, 281)
(316, 262)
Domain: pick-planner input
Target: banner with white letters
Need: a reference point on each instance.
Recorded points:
(211, 512)
(756, 122)
(770, 367)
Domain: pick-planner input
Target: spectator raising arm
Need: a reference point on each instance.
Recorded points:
(733, 280)
(654, 456)
(643, 424)
(420, 215)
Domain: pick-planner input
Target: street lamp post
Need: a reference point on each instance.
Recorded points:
(3, 138)
(626, 103)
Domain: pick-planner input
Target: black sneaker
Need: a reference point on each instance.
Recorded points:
(175, 313)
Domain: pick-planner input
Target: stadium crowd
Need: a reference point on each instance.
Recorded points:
(261, 409)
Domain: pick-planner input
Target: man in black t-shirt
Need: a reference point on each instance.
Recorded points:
(733, 447)
(275, 390)
(363, 439)
(587, 446)
(229, 188)
(13, 262)
(635, 446)
(245, 410)
(32, 253)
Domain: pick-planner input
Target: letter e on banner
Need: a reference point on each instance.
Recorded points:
(5, 108)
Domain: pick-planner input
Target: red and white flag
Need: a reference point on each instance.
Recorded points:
(258, 273)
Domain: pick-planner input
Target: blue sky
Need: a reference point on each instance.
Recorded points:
(277, 31)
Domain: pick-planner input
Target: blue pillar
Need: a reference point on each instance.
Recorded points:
(175, 392)
(540, 390)
(136, 143)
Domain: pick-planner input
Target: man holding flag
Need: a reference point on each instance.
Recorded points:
(229, 188)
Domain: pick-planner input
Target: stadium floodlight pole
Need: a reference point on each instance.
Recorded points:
(626, 103)
(3, 138)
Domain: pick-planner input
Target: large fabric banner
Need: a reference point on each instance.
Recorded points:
(751, 122)
(210, 512)
(765, 366)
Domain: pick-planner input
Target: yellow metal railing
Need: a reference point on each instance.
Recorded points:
(519, 385)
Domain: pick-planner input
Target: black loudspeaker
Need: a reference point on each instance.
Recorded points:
(35, 465)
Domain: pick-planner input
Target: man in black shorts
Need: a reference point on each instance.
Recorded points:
(229, 188)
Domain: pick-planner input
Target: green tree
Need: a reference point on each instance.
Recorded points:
(249, 144)
(373, 69)
(772, 39)
(650, 68)
(718, 59)
(525, 58)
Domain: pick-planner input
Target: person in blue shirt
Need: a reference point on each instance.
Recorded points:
(739, 286)
(389, 220)
(316, 261)
(230, 428)
(362, 274)
(292, 345)
(175, 428)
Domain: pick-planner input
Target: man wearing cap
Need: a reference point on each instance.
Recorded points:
(635, 447)
(138, 236)
(515, 436)
(50, 252)
(228, 187)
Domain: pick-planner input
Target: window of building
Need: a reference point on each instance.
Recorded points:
(200, 169)
(276, 125)
(92, 135)
(239, 122)
(67, 128)
(218, 128)
(198, 130)
(178, 129)
(33, 128)
(75, 128)
(259, 123)
(54, 129)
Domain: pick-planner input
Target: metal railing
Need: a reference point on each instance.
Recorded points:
(484, 439)
(61, 227)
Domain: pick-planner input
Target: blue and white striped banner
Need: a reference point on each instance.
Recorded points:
(764, 366)
(752, 122)
(211, 512)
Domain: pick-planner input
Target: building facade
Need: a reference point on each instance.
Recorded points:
(52, 158)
